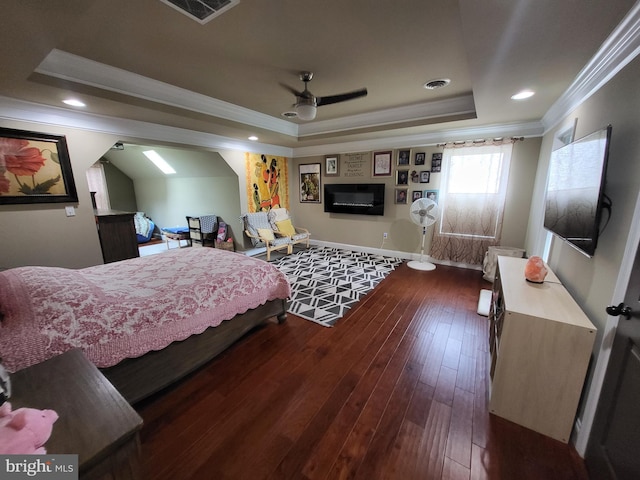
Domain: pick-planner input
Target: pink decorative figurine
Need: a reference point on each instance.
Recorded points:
(535, 271)
(26, 430)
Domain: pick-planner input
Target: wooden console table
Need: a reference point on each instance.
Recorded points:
(94, 422)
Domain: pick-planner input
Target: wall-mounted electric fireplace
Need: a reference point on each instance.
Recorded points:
(356, 198)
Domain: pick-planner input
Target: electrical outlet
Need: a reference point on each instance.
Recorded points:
(385, 235)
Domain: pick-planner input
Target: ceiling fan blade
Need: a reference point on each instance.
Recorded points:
(343, 97)
(297, 93)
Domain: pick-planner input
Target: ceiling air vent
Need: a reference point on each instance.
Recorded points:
(438, 83)
(202, 10)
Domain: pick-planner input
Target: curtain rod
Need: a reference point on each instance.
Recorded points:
(480, 142)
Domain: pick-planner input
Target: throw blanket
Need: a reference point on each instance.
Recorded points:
(142, 224)
(126, 309)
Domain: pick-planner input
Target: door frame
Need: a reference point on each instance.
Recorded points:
(584, 425)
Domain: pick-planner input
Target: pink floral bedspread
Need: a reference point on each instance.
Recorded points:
(125, 309)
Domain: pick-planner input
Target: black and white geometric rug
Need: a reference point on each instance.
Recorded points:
(326, 282)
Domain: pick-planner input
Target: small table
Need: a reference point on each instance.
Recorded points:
(95, 421)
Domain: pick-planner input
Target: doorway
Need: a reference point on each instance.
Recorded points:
(614, 443)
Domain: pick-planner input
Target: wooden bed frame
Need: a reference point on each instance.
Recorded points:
(138, 378)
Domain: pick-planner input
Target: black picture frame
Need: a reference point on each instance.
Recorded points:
(436, 162)
(402, 177)
(332, 166)
(400, 197)
(310, 183)
(36, 168)
(425, 176)
(404, 156)
(420, 158)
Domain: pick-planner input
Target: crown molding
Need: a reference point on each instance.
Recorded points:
(620, 48)
(22, 111)
(19, 110)
(67, 66)
(461, 105)
(528, 129)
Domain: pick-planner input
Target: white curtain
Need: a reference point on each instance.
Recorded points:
(98, 184)
(472, 197)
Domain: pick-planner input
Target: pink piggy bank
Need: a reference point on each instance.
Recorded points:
(26, 430)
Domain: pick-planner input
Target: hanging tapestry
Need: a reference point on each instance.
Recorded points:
(267, 182)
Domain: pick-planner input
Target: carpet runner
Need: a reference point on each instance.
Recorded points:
(327, 282)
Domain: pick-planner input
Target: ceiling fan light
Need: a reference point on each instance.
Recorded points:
(306, 111)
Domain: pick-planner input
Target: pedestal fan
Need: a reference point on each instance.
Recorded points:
(423, 212)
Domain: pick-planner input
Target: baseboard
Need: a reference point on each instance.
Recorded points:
(393, 253)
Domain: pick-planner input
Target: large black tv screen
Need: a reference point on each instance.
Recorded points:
(575, 190)
(354, 198)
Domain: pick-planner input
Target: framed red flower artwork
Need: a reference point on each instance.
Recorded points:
(35, 168)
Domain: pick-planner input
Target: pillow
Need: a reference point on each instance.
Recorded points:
(286, 228)
(266, 234)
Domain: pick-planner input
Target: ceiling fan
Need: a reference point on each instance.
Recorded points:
(307, 102)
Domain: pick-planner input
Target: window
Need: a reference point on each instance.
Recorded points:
(472, 199)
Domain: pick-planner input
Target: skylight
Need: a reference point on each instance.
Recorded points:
(159, 162)
(202, 10)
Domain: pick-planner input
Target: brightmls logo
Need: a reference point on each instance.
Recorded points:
(51, 467)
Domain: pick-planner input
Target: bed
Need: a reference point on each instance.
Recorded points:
(145, 322)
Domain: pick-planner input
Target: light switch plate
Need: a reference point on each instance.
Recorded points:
(70, 211)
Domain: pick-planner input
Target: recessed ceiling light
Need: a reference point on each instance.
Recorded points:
(437, 83)
(253, 138)
(159, 162)
(523, 95)
(289, 114)
(74, 102)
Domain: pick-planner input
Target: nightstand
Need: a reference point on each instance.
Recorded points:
(94, 421)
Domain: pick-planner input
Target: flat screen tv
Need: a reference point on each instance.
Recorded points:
(355, 198)
(575, 194)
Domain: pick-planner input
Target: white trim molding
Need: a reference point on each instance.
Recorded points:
(620, 48)
(18, 110)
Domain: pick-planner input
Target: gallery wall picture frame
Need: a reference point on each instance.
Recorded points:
(431, 195)
(419, 158)
(382, 163)
(36, 168)
(436, 162)
(310, 182)
(425, 176)
(416, 195)
(404, 157)
(402, 177)
(400, 196)
(332, 165)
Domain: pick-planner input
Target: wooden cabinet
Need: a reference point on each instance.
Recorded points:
(540, 345)
(117, 234)
(94, 422)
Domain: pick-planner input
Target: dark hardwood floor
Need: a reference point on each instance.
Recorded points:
(396, 390)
